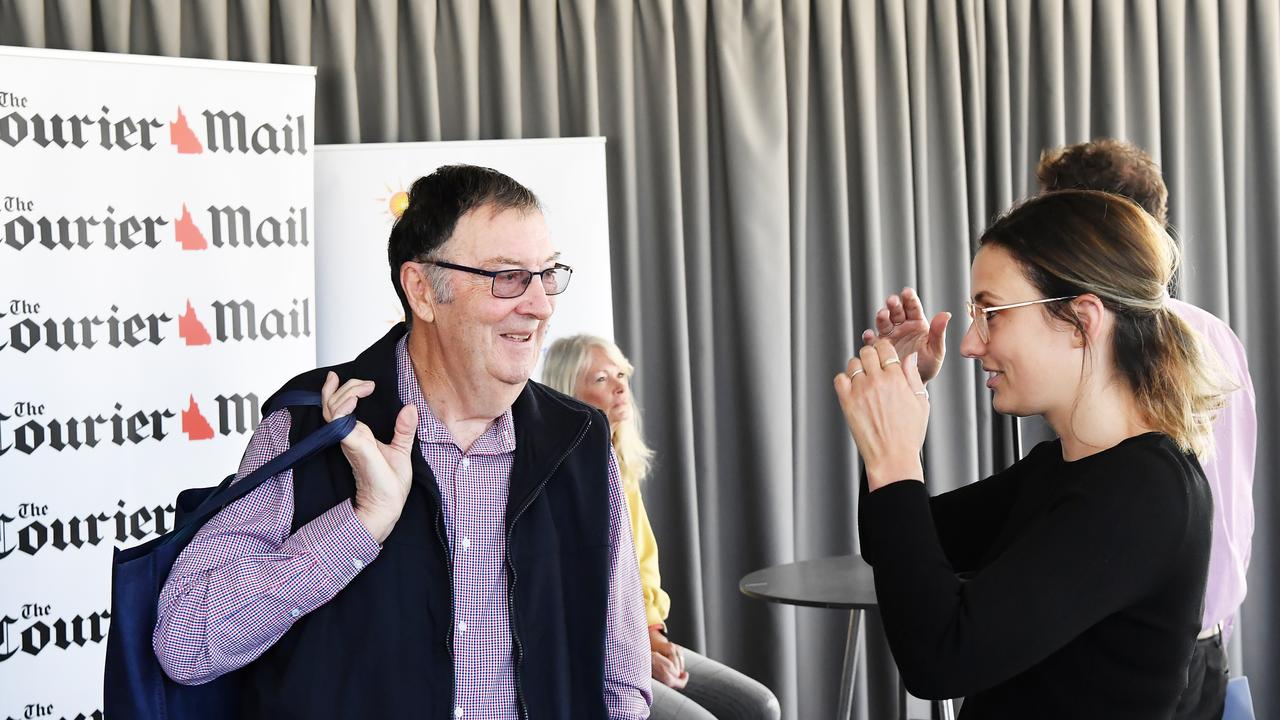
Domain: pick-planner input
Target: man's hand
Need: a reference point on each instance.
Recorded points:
(383, 472)
(902, 321)
(668, 662)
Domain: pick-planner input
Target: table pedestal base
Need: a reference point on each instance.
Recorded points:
(844, 710)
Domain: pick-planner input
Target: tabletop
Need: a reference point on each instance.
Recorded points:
(844, 581)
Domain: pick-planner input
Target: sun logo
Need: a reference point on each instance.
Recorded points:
(396, 202)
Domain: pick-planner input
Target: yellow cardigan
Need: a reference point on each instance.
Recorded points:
(656, 602)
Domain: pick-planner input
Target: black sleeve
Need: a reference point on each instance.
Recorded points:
(967, 519)
(1100, 547)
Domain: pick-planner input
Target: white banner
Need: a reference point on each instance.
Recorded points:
(360, 191)
(156, 285)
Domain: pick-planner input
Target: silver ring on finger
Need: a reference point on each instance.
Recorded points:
(923, 393)
(890, 361)
(856, 373)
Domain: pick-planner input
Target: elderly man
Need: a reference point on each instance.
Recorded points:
(479, 564)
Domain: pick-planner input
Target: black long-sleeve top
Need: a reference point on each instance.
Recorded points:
(1052, 589)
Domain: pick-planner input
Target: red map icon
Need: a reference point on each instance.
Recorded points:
(194, 424)
(191, 329)
(188, 234)
(181, 136)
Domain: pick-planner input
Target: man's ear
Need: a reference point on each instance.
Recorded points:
(1094, 318)
(418, 291)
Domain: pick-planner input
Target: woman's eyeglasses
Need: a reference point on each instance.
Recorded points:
(978, 313)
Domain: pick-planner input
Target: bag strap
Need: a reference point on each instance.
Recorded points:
(291, 398)
(322, 439)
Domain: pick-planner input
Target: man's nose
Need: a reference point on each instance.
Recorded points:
(535, 300)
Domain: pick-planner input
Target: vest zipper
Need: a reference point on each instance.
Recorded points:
(511, 587)
(448, 638)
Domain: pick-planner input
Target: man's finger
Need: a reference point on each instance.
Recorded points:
(359, 388)
(347, 390)
(326, 394)
(406, 425)
(344, 408)
(346, 396)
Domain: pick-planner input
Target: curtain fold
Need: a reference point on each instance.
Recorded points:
(775, 168)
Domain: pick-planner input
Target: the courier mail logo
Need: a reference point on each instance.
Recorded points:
(23, 226)
(23, 123)
(36, 627)
(32, 527)
(26, 328)
(30, 427)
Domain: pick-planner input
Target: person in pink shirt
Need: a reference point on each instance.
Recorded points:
(1124, 169)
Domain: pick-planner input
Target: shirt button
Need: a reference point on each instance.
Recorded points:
(466, 463)
(466, 543)
(457, 711)
(357, 563)
(295, 613)
(462, 627)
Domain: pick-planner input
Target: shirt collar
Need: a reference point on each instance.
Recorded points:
(499, 438)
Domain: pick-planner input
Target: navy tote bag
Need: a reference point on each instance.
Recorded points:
(135, 686)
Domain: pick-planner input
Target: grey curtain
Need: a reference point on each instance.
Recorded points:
(776, 168)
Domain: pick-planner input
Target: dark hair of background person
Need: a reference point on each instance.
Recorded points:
(436, 203)
(1110, 165)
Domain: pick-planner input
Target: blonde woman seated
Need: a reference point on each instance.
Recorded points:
(689, 686)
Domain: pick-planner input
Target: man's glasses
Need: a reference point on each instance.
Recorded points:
(512, 283)
(979, 314)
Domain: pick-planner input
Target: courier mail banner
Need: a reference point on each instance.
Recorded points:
(156, 285)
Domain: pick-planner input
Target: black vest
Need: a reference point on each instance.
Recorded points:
(382, 647)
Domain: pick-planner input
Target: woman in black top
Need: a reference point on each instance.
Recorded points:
(1069, 585)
